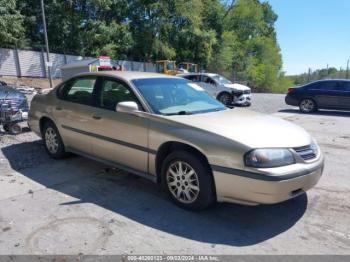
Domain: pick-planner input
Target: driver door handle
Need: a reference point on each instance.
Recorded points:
(58, 108)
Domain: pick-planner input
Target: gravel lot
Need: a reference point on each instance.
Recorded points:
(77, 206)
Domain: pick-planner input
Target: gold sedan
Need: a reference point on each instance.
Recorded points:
(170, 131)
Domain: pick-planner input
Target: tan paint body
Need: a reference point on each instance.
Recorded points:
(222, 137)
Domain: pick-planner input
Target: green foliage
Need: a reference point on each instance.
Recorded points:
(256, 55)
(236, 38)
(11, 25)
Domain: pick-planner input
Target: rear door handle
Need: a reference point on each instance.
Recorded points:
(58, 108)
(96, 117)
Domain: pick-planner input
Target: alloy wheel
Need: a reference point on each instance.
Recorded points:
(183, 182)
(307, 105)
(51, 140)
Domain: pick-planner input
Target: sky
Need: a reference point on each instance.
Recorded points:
(313, 33)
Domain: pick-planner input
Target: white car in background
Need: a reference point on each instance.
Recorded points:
(221, 88)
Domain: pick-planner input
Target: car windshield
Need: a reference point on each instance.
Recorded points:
(220, 79)
(171, 96)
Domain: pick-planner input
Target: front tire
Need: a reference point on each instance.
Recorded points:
(225, 98)
(307, 105)
(188, 181)
(53, 142)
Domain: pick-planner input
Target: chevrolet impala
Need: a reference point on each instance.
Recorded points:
(168, 130)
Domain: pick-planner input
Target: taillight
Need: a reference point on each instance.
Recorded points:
(290, 90)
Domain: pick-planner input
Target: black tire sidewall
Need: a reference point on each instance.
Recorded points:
(206, 195)
(225, 94)
(61, 149)
(6, 127)
(12, 129)
(311, 111)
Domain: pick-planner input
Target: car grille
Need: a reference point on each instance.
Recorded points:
(241, 92)
(14, 104)
(305, 152)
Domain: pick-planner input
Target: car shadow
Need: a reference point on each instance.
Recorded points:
(142, 201)
(319, 112)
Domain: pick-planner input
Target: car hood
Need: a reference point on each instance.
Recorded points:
(237, 87)
(11, 93)
(250, 128)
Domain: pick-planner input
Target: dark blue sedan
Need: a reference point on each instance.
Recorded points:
(325, 94)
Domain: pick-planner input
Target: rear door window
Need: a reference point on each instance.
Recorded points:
(194, 78)
(329, 86)
(346, 86)
(208, 80)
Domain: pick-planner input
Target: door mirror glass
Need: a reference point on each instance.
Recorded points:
(127, 107)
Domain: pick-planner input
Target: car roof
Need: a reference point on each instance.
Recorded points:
(191, 74)
(329, 80)
(126, 75)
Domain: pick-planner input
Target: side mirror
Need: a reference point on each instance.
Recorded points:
(127, 107)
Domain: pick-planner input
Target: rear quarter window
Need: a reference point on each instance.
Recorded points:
(79, 90)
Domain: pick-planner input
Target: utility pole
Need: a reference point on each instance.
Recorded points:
(347, 70)
(309, 76)
(46, 43)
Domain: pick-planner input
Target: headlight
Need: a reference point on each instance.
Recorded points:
(314, 148)
(264, 158)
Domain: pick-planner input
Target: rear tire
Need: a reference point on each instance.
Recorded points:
(14, 129)
(307, 105)
(6, 127)
(53, 142)
(188, 181)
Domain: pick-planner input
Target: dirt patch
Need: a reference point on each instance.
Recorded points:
(35, 82)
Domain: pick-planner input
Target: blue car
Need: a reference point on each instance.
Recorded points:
(13, 108)
(324, 94)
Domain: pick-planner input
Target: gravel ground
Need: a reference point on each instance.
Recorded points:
(77, 206)
(269, 103)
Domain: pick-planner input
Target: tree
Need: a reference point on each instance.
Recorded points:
(236, 38)
(85, 27)
(256, 55)
(11, 25)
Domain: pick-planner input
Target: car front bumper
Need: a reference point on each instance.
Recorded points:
(244, 99)
(249, 188)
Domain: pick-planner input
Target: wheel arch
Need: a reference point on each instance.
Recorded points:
(166, 148)
(44, 120)
(311, 97)
(223, 92)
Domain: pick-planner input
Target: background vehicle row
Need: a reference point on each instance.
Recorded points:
(221, 88)
(325, 94)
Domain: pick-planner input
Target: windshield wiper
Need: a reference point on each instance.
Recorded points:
(183, 112)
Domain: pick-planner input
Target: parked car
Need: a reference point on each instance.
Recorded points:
(166, 129)
(13, 108)
(325, 94)
(221, 88)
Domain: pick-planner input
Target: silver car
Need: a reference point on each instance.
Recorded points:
(221, 88)
(168, 130)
